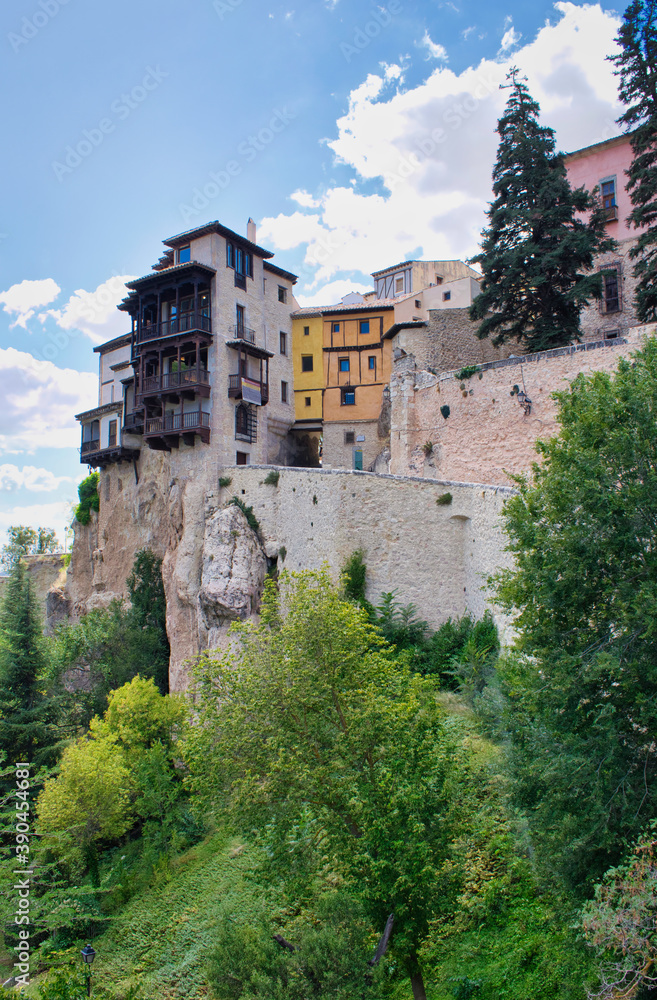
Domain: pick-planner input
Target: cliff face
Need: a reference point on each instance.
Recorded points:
(213, 564)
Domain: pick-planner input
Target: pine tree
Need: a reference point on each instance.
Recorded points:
(27, 713)
(537, 255)
(636, 65)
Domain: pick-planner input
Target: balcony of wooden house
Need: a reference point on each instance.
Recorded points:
(102, 443)
(172, 385)
(251, 380)
(164, 431)
(170, 306)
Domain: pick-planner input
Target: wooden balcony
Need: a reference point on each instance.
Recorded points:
(92, 454)
(240, 332)
(240, 387)
(185, 323)
(190, 381)
(163, 432)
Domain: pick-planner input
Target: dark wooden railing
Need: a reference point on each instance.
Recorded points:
(172, 423)
(184, 323)
(235, 388)
(187, 378)
(89, 446)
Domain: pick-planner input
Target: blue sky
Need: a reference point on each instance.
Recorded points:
(358, 134)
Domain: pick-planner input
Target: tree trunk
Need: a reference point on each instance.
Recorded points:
(417, 981)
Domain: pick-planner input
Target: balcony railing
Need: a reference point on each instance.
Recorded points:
(186, 378)
(177, 423)
(89, 446)
(184, 323)
(236, 388)
(242, 333)
(134, 421)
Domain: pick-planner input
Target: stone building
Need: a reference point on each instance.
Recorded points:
(207, 364)
(604, 166)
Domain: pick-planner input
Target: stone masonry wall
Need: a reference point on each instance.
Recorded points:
(449, 341)
(487, 433)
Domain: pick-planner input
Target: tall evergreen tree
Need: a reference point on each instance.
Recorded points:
(537, 255)
(27, 713)
(636, 65)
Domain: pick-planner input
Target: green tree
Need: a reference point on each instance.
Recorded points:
(537, 254)
(636, 65)
(583, 689)
(148, 615)
(620, 923)
(89, 800)
(319, 714)
(27, 713)
(20, 542)
(88, 497)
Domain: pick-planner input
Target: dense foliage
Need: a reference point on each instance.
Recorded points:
(88, 497)
(537, 253)
(583, 688)
(26, 541)
(636, 65)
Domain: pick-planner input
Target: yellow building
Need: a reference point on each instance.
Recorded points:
(307, 362)
(357, 366)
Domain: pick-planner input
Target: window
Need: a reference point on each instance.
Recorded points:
(371, 362)
(184, 254)
(348, 397)
(343, 364)
(399, 285)
(307, 399)
(282, 339)
(111, 443)
(241, 458)
(349, 437)
(306, 331)
(608, 192)
(241, 261)
(246, 422)
(306, 362)
(447, 296)
(239, 320)
(336, 328)
(418, 304)
(610, 302)
(282, 294)
(283, 392)
(364, 326)
(612, 334)
(358, 458)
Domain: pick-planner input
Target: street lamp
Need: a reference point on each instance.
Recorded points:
(88, 954)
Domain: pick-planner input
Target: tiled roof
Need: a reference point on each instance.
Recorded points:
(370, 306)
(168, 271)
(215, 227)
(279, 270)
(111, 345)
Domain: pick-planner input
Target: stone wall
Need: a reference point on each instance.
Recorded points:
(595, 324)
(487, 434)
(436, 556)
(450, 341)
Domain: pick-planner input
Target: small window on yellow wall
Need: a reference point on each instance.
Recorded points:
(307, 398)
(306, 362)
(343, 364)
(371, 362)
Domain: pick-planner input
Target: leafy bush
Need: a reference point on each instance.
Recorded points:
(251, 519)
(272, 477)
(444, 500)
(89, 498)
(467, 372)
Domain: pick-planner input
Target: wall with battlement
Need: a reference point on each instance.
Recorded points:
(487, 434)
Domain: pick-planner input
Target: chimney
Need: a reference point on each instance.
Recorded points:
(251, 231)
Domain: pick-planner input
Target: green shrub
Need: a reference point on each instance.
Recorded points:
(225, 481)
(272, 477)
(89, 498)
(444, 499)
(251, 519)
(445, 410)
(466, 373)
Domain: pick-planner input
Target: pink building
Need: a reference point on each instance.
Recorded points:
(604, 166)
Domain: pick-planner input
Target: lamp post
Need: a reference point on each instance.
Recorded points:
(88, 955)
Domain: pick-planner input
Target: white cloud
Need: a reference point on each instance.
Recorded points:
(435, 51)
(510, 38)
(304, 199)
(95, 313)
(30, 478)
(39, 402)
(25, 298)
(467, 32)
(432, 149)
(332, 293)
